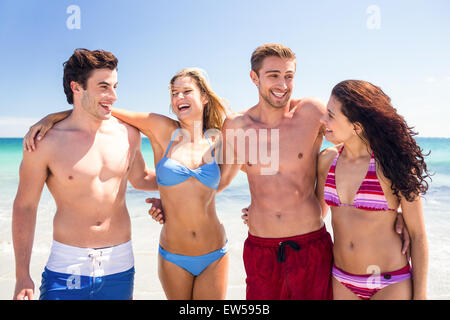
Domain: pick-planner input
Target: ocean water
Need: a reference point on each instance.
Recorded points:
(229, 204)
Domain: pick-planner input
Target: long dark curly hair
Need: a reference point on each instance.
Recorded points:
(387, 134)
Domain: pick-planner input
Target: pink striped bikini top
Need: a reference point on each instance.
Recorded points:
(369, 196)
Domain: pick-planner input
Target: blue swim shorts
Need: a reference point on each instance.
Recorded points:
(62, 286)
(74, 273)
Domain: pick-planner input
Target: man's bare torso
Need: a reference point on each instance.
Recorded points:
(87, 176)
(284, 204)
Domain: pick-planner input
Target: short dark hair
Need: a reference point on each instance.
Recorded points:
(269, 50)
(80, 66)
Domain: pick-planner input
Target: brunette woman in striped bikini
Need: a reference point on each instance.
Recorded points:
(375, 168)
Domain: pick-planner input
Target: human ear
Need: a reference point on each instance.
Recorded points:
(357, 127)
(205, 99)
(75, 86)
(255, 78)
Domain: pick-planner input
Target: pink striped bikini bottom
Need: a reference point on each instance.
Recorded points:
(365, 286)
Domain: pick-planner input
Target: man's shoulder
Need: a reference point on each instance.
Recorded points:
(311, 105)
(237, 120)
(54, 136)
(121, 126)
(46, 147)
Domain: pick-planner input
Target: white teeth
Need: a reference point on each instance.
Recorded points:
(183, 106)
(279, 95)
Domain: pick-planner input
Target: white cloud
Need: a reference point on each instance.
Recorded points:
(15, 126)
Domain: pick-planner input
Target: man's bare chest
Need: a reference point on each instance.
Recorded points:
(278, 150)
(81, 160)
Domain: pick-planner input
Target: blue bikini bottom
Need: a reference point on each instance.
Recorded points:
(194, 264)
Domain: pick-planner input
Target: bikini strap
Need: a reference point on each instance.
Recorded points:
(171, 140)
(372, 164)
(211, 146)
(337, 156)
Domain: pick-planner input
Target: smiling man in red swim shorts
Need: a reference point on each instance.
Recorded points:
(288, 252)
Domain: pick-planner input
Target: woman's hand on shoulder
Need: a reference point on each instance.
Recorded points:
(39, 129)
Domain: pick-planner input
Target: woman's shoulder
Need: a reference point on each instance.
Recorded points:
(329, 153)
(327, 156)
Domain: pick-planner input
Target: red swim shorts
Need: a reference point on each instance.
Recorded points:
(293, 268)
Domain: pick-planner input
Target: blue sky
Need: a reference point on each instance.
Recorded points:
(402, 46)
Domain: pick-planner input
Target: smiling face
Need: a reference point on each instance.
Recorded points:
(337, 127)
(187, 99)
(99, 95)
(275, 80)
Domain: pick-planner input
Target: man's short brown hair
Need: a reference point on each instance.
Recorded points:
(269, 50)
(80, 66)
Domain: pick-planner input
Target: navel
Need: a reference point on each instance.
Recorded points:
(300, 155)
(70, 177)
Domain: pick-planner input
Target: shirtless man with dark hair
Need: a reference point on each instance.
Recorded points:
(86, 161)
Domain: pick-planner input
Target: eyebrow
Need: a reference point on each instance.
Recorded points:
(278, 71)
(182, 88)
(105, 83)
(270, 71)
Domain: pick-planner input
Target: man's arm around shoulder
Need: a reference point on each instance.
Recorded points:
(229, 161)
(140, 176)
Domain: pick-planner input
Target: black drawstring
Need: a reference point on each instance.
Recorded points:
(281, 254)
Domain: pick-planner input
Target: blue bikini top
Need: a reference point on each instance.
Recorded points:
(170, 172)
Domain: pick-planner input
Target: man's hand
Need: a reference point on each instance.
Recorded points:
(24, 289)
(401, 229)
(156, 211)
(245, 215)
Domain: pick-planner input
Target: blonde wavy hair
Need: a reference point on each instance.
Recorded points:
(216, 109)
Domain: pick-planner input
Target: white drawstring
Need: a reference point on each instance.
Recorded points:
(96, 259)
